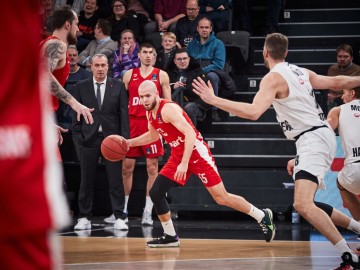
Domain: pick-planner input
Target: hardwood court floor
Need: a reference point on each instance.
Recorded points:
(204, 245)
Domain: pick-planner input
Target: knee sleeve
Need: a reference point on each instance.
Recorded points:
(325, 207)
(158, 191)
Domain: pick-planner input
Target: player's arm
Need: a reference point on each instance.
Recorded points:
(270, 85)
(172, 113)
(336, 83)
(54, 53)
(151, 136)
(165, 85)
(126, 78)
(333, 117)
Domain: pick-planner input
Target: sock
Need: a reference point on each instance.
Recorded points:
(168, 228)
(342, 246)
(354, 226)
(256, 213)
(148, 204)
(126, 203)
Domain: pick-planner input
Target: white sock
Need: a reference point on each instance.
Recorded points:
(168, 228)
(148, 204)
(342, 246)
(126, 203)
(256, 213)
(354, 226)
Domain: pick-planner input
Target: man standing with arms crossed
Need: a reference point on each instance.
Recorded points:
(290, 90)
(138, 126)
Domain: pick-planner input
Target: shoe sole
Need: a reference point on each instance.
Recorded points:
(147, 223)
(169, 245)
(113, 221)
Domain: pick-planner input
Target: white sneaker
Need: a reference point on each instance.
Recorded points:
(146, 218)
(111, 219)
(83, 224)
(120, 225)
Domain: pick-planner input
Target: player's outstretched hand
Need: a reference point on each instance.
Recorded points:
(84, 111)
(180, 174)
(203, 90)
(122, 139)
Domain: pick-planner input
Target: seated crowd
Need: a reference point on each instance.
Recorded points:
(118, 28)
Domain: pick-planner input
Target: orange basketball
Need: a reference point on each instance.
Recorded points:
(113, 149)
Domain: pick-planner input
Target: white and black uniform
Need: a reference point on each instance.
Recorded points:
(303, 120)
(349, 131)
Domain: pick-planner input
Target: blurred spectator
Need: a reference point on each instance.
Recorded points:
(167, 13)
(47, 12)
(186, 26)
(76, 5)
(272, 18)
(87, 21)
(126, 57)
(143, 11)
(210, 52)
(182, 71)
(103, 44)
(344, 65)
(120, 20)
(166, 54)
(334, 99)
(218, 11)
(76, 74)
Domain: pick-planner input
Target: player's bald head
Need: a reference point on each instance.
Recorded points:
(148, 86)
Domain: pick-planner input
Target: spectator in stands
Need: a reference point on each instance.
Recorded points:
(218, 11)
(182, 71)
(48, 11)
(209, 51)
(143, 11)
(76, 74)
(76, 5)
(126, 57)
(87, 21)
(103, 44)
(333, 99)
(167, 13)
(166, 54)
(344, 65)
(186, 26)
(121, 19)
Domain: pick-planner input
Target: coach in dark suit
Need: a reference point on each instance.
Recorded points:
(109, 99)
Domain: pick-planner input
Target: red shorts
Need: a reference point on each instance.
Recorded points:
(39, 251)
(201, 163)
(138, 126)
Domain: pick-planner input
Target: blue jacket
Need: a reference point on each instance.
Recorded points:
(211, 55)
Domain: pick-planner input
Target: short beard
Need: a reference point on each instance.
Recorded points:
(152, 106)
(72, 40)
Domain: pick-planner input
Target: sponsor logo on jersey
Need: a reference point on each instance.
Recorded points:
(153, 78)
(177, 142)
(159, 118)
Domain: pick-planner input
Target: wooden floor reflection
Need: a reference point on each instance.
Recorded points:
(131, 253)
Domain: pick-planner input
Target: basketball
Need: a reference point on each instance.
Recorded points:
(113, 148)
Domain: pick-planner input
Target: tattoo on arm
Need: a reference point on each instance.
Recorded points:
(55, 52)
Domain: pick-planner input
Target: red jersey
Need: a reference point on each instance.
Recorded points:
(60, 74)
(134, 105)
(169, 132)
(31, 195)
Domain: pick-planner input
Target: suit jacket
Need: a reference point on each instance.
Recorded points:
(113, 114)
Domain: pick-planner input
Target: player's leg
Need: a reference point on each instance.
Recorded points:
(158, 192)
(263, 217)
(152, 167)
(304, 193)
(352, 202)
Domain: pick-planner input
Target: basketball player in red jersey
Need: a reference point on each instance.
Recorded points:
(54, 48)
(138, 125)
(189, 155)
(32, 202)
